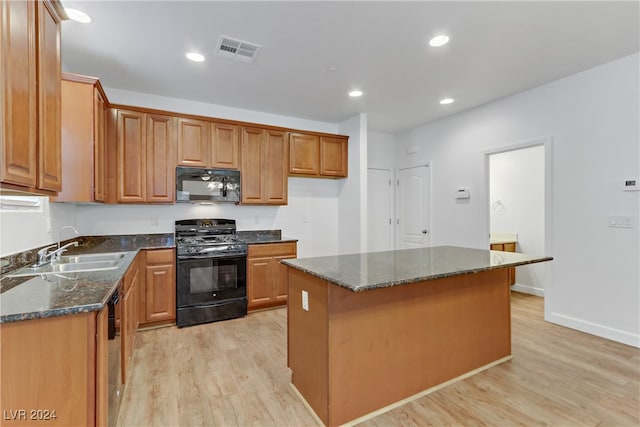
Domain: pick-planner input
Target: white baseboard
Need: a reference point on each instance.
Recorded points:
(525, 289)
(607, 332)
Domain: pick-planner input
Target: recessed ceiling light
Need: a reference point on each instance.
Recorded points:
(355, 93)
(438, 41)
(78, 15)
(195, 57)
(446, 101)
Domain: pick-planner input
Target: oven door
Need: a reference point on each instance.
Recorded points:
(206, 280)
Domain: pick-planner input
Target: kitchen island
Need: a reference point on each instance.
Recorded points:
(367, 331)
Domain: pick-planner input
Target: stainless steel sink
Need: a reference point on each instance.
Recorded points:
(74, 264)
(91, 258)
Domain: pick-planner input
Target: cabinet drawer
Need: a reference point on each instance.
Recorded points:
(160, 256)
(272, 249)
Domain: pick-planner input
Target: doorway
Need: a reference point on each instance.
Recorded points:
(519, 183)
(413, 207)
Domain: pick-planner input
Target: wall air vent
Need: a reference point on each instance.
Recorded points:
(237, 49)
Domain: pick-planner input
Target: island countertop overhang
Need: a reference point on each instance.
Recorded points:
(373, 270)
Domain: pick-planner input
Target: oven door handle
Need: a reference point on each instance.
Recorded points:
(198, 258)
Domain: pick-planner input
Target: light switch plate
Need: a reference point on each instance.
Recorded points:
(305, 300)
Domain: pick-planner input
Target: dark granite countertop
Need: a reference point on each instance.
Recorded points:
(33, 297)
(253, 237)
(366, 271)
(49, 295)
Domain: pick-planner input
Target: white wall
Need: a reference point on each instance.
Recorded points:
(117, 96)
(352, 199)
(593, 120)
(22, 231)
(517, 205)
(381, 150)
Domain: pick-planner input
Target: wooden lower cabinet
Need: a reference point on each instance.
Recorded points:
(43, 382)
(158, 289)
(266, 278)
(506, 247)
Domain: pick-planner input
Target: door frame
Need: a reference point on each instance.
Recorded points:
(547, 142)
(396, 174)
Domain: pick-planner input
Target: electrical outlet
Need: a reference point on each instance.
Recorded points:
(620, 221)
(305, 300)
(154, 220)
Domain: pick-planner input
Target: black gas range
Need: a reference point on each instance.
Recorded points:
(211, 273)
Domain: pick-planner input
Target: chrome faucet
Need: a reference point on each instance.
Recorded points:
(60, 233)
(45, 257)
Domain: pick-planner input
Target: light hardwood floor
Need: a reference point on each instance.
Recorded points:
(234, 373)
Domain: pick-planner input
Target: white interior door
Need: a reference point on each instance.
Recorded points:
(379, 210)
(413, 198)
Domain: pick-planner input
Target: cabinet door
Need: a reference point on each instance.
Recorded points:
(160, 286)
(333, 156)
(304, 154)
(18, 108)
(160, 159)
(252, 166)
(275, 163)
(280, 277)
(131, 157)
(225, 146)
(99, 148)
(259, 284)
(49, 89)
(193, 142)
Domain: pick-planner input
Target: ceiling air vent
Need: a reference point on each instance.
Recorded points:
(237, 49)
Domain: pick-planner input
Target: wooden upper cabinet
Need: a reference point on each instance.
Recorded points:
(160, 161)
(264, 166)
(131, 157)
(275, 167)
(49, 85)
(18, 95)
(193, 142)
(333, 156)
(83, 145)
(30, 95)
(225, 146)
(251, 172)
(318, 156)
(304, 154)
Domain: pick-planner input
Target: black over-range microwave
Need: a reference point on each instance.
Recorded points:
(207, 185)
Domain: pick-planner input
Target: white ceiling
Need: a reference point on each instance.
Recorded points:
(496, 49)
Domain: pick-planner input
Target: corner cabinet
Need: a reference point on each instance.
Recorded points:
(158, 289)
(267, 284)
(264, 158)
(141, 157)
(30, 96)
(83, 145)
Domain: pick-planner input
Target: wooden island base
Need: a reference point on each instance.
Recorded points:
(353, 353)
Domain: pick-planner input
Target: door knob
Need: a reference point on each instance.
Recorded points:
(424, 231)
